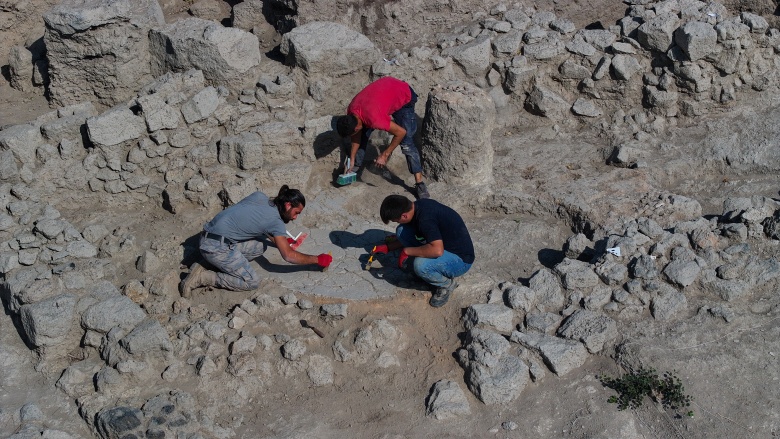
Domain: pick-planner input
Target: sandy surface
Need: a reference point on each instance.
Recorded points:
(730, 368)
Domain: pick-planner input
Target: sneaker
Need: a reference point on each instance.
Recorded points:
(442, 295)
(422, 191)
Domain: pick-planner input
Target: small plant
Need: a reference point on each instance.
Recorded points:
(633, 387)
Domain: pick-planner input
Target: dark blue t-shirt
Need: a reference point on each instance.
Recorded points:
(433, 221)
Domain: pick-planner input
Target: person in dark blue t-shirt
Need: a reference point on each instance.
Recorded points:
(435, 235)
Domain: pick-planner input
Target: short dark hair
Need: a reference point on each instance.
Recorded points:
(287, 195)
(345, 125)
(393, 206)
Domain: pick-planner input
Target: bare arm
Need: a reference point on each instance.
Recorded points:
(431, 250)
(290, 255)
(355, 140)
(398, 133)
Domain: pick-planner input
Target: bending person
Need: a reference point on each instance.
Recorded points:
(386, 104)
(437, 238)
(237, 235)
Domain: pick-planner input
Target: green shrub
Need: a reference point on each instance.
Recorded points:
(633, 387)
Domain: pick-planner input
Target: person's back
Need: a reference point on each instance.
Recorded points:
(386, 104)
(375, 104)
(435, 220)
(251, 217)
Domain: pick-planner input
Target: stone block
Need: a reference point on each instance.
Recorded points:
(494, 316)
(547, 103)
(576, 274)
(244, 151)
(456, 135)
(658, 32)
(99, 50)
(200, 106)
(326, 47)
(593, 329)
(625, 66)
(696, 39)
(47, 323)
(115, 127)
(224, 55)
(148, 338)
(111, 312)
(446, 401)
(668, 303)
(473, 57)
(560, 355)
(492, 374)
(20, 68)
(23, 141)
(158, 114)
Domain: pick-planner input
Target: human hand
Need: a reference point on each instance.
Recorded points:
(381, 249)
(381, 161)
(324, 260)
(402, 259)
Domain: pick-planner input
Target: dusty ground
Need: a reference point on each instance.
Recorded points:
(731, 369)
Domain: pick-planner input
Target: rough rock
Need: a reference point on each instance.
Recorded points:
(456, 135)
(224, 55)
(494, 316)
(560, 355)
(472, 57)
(696, 39)
(492, 374)
(99, 50)
(446, 401)
(325, 47)
(113, 311)
(593, 329)
(115, 127)
(545, 102)
(47, 323)
(657, 33)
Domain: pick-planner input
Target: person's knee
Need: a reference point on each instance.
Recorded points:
(422, 268)
(253, 284)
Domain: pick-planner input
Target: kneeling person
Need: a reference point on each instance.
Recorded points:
(236, 236)
(435, 235)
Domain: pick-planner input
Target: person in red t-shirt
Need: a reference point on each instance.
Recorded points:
(386, 104)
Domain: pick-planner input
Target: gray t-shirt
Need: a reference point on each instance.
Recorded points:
(254, 217)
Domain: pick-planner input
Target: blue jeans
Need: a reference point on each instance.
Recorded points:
(439, 272)
(232, 262)
(405, 118)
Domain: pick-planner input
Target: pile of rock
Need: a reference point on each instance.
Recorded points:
(658, 267)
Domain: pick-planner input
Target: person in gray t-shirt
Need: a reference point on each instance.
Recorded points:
(236, 236)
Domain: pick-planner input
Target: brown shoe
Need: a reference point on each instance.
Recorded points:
(193, 280)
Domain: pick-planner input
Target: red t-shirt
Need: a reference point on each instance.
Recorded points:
(375, 104)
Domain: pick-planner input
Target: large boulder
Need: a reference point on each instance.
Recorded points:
(224, 55)
(22, 140)
(473, 57)
(325, 47)
(456, 135)
(493, 374)
(657, 33)
(99, 49)
(115, 127)
(47, 322)
(696, 39)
